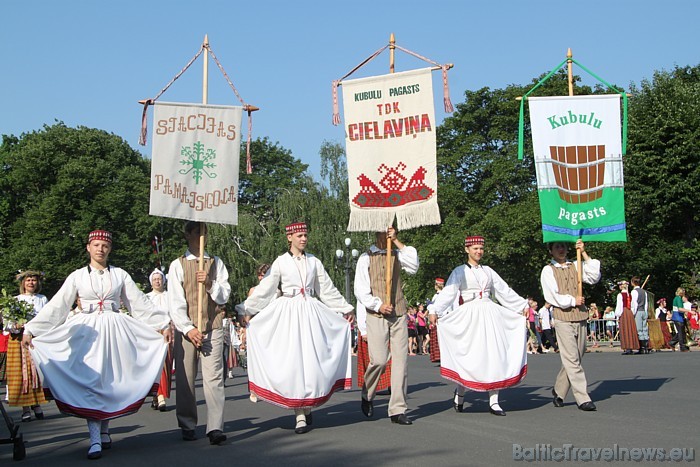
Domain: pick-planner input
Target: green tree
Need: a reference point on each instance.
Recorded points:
(60, 183)
(662, 174)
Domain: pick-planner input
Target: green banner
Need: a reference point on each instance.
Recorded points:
(602, 219)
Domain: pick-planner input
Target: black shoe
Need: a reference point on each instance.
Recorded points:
(499, 412)
(401, 419)
(627, 352)
(38, 413)
(458, 406)
(94, 454)
(162, 407)
(367, 408)
(154, 404)
(188, 435)
(301, 429)
(587, 406)
(216, 437)
(558, 401)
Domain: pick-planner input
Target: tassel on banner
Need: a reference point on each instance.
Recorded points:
(336, 109)
(248, 164)
(446, 90)
(144, 123)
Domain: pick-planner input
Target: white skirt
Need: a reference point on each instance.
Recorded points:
(483, 346)
(100, 365)
(298, 353)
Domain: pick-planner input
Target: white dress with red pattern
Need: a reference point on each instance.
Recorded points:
(298, 344)
(100, 364)
(482, 343)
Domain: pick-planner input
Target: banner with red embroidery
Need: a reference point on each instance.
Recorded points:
(390, 146)
(578, 159)
(194, 173)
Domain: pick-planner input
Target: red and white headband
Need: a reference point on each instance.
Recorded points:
(100, 235)
(297, 227)
(474, 240)
(440, 281)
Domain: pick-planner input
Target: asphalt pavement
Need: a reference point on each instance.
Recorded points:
(644, 401)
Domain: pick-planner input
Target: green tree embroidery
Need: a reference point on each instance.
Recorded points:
(199, 161)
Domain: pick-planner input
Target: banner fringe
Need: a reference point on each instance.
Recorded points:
(407, 217)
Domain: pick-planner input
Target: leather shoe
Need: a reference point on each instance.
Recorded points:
(499, 412)
(401, 419)
(188, 435)
(587, 406)
(216, 437)
(558, 401)
(94, 454)
(301, 429)
(367, 408)
(456, 404)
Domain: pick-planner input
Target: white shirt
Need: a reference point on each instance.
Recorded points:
(475, 282)
(633, 300)
(550, 289)
(408, 259)
(544, 318)
(177, 304)
(98, 289)
(293, 278)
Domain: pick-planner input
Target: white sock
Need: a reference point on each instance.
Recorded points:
(104, 431)
(493, 400)
(94, 430)
(300, 417)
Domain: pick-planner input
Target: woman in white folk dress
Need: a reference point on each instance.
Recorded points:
(482, 344)
(299, 345)
(101, 364)
(159, 296)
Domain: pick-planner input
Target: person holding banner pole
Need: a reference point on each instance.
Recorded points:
(299, 352)
(387, 331)
(560, 287)
(201, 342)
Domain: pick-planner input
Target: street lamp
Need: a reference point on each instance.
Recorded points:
(346, 260)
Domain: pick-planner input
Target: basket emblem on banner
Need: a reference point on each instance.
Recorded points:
(579, 172)
(396, 189)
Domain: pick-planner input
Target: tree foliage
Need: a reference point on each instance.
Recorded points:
(60, 183)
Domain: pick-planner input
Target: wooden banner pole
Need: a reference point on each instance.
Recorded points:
(389, 263)
(202, 226)
(569, 66)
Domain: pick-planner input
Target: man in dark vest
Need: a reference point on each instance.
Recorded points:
(387, 331)
(639, 310)
(194, 340)
(559, 281)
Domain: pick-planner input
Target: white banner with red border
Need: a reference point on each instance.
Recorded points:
(391, 150)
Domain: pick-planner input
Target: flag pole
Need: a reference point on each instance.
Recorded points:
(570, 79)
(392, 47)
(202, 225)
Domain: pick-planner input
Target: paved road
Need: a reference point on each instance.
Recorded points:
(643, 401)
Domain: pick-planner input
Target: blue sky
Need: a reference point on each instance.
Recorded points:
(89, 62)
